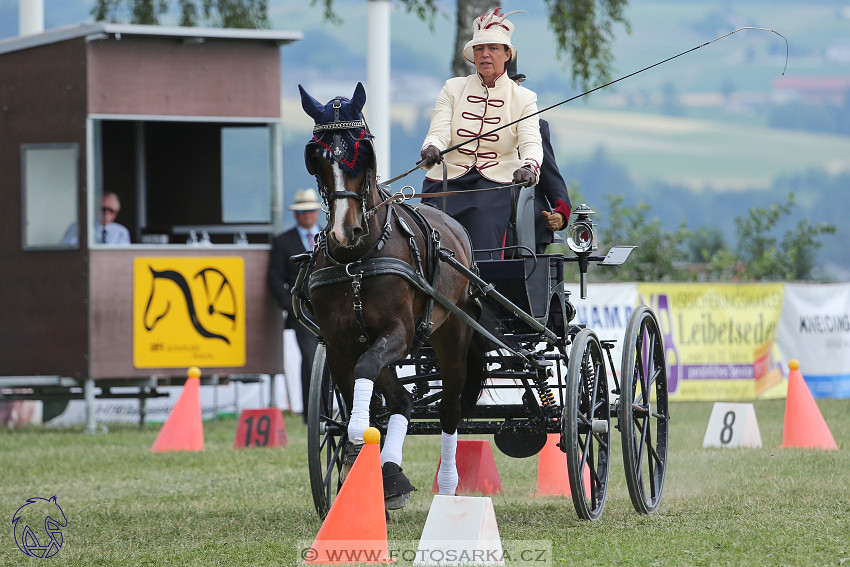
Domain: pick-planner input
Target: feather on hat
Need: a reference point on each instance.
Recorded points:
(492, 27)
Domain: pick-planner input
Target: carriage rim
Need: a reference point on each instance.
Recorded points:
(324, 448)
(640, 418)
(587, 433)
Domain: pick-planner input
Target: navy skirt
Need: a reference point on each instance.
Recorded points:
(485, 214)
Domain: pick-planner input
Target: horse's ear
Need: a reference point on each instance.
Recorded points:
(311, 106)
(359, 98)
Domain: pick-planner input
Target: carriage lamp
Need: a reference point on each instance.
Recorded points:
(581, 236)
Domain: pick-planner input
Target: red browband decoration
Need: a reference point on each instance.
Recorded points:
(350, 164)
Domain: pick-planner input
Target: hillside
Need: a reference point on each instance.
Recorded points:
(698, 125)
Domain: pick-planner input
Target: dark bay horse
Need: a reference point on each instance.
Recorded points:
(374, 266)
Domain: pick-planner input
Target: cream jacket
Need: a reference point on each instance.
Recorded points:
(466, 108)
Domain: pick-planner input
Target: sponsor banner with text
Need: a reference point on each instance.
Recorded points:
(815, 329)
(720, 338)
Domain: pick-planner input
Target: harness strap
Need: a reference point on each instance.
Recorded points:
(306, 261)
(363, 337)
(322, 243)
(432, 244)
(333, 275)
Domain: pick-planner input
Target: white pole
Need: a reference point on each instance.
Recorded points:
(378, 82)
(30, 16)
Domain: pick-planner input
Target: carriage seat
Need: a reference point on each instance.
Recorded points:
(523, 222)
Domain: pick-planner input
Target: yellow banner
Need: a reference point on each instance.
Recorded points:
(188, 311)
(719, 338)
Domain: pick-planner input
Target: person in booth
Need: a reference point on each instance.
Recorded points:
(282, 274)
(107, 231)
(552, 205)
(477, 104)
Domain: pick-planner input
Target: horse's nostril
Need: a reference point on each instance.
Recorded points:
(357, 232)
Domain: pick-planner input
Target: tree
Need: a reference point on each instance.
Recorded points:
(761, 255)
(467, 11)
(217, 13)
(659, 254)
(584, 30)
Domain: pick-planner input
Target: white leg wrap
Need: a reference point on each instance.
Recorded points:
(447, 478)
(396, 432)
(360, 412)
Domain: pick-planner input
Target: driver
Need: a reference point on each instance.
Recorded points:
(477, 104)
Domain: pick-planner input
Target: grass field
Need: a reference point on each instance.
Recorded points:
(223, 506)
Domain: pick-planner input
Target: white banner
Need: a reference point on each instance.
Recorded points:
(605, 311)
(814, 328)
(215, 400)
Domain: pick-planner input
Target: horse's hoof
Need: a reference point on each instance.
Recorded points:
(397, 488)
(349, 455)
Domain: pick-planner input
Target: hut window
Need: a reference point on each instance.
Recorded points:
(50, 194)
(245, 174)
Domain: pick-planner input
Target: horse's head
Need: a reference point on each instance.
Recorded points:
(342, 158)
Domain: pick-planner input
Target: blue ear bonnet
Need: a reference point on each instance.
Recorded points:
(339, 134)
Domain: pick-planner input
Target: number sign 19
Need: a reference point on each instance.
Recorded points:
(732, 425)
(260, 428)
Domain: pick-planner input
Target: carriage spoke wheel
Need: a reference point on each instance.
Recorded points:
(327, 418)
(644, 414)
(586, 425)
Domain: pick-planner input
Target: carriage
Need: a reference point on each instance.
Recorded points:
(551, 375)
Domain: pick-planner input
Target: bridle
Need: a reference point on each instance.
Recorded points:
(343, 148)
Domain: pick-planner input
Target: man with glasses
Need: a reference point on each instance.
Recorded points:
(107, 231)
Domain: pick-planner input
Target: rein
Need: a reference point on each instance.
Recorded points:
(401, 196)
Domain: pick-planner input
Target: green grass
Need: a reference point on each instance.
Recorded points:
(223, 506)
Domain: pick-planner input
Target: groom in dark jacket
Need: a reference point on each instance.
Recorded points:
(552, 205)
(282, 274)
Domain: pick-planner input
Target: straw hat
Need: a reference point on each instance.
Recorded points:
(306, 200)
(492, 27)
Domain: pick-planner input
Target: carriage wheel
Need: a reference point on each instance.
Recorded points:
(586, 425)
(644, 418)
(327, 419)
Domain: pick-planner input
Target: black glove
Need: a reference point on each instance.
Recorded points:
(525, 176)
(431, 155)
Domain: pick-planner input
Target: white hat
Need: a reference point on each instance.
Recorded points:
(492, 27)
(306, 200)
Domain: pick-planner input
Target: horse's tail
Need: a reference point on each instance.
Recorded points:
(476, 361)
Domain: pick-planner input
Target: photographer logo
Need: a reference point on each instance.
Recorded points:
(37, 527)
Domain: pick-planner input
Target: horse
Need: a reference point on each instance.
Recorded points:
(372, 270)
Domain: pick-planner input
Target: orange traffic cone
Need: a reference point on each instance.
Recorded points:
(184, 428)
(355, 529)
(552, 476)
(804, 424)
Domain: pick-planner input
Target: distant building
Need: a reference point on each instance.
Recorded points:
(811, 90)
